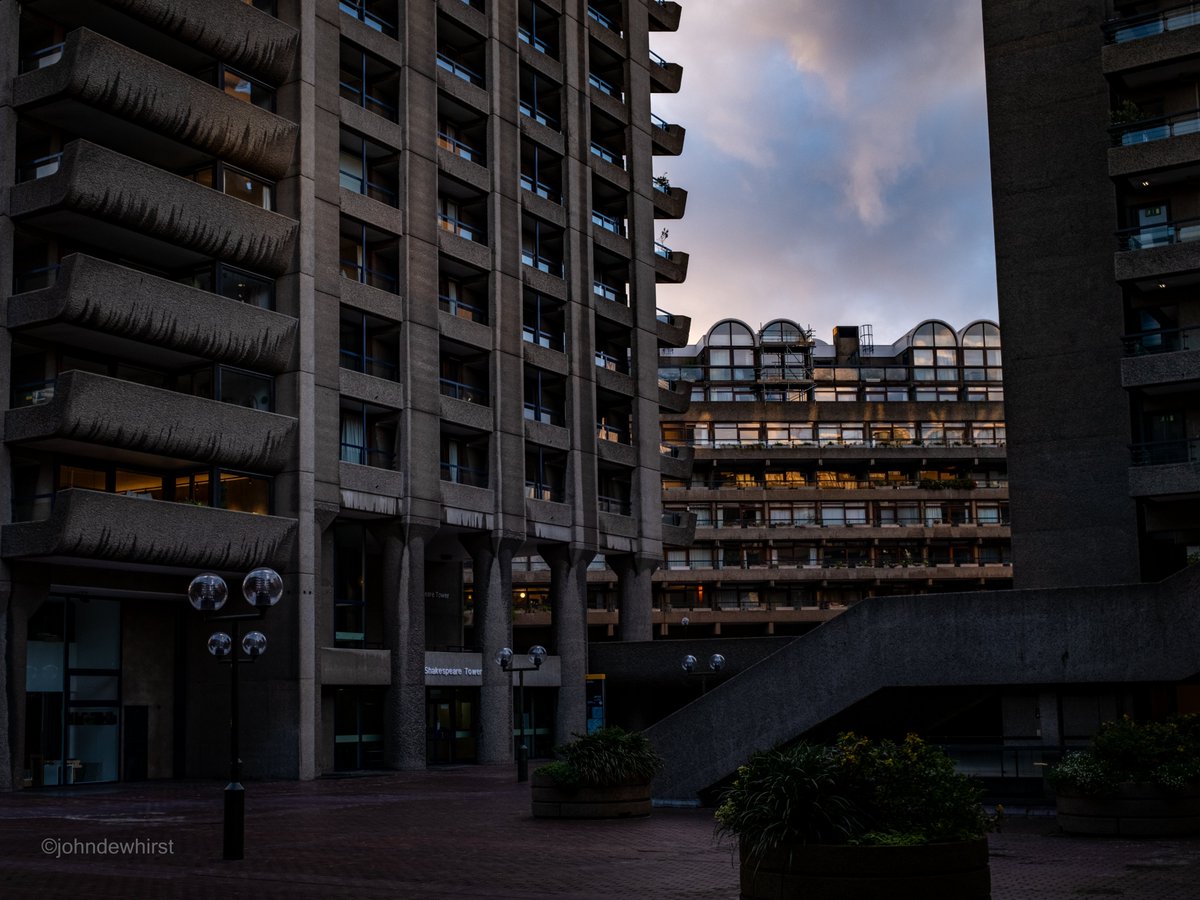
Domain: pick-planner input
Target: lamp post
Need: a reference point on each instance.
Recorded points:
(504, 659)
(262, 589)
(716, 663)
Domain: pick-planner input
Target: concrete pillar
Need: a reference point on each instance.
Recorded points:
(634, 595)
(10, 681)
(404, 636)
(491, 561)
(568, 616)
(1049, 726)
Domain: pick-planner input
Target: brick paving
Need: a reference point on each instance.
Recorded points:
(465, 833)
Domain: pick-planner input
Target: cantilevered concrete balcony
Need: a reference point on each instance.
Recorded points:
(669, 202)
(664, 15)
(149, 425)
(670, 266)
(131, 315)
(1165, 40)
(678, 528)
(665, 77)
(1166, 479)
(1157, 251)
(1175, 359)
(113, 528)
(133, 208)
(102, 90)
(666, 137)
(673, 330)
(1169, 142)
(189, 33)
(676, 461)
(674, 396)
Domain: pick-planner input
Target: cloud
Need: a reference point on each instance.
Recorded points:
(836, 160)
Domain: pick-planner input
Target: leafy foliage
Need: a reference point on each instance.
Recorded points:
(787, 795)
(607, 757)
(1165, 752)
(857, 792)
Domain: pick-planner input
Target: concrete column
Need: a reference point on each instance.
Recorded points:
(568, 616)
(634, 595)
(491, 560)
(404, 634)
(1049, 726)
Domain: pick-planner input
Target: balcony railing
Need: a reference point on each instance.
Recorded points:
(355, 271)
(547, 339)
(41, 167)
(608, 292)
(470, 393)
(464, 475)
(758, 484)
(541, 263)
(33, 393)
(360, 185)
(1157, 129)
(1161, 340)
(661, 249)
(538, 115)
(457, 68)
(607, 222)
(524, 34)
(462, 309)
(535, 490)
(458, 148)
(543, 190)
(36, 278)
(1144, 237)
(659, 122)
(614, 505)
(612, 363)
(1118, 31)
(370, 19)
(1161, 453)
(463, 229)
(368, 365)
(536, 413)
(607, 155)
(40, 59)
(367, 456)
(612, 433)
(658, 60)
(604, 20)
(361, 97)
(601, 85)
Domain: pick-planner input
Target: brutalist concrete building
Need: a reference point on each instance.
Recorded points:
(361, 290)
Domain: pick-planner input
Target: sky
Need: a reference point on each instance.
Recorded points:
(836, 163)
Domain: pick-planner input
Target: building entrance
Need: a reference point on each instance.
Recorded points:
(451, 729)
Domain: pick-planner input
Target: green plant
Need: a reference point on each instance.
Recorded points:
(1165, 752)
(856, 792)
(1127, 112)
(787, 795)
(605, 758)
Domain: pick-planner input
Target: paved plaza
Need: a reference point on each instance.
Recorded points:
(461, 833)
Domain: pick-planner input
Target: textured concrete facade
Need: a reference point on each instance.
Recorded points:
(375, 282)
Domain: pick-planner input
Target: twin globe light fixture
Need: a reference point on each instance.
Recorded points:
(716, 663)
(262, 588)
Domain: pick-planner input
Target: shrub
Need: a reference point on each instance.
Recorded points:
(1165, 752)
(605, 758)
(858, 792)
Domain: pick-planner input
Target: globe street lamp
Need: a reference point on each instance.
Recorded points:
(504, 659)
(262, 589)
(716, 663)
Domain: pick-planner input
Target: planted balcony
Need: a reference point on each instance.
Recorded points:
(82, 410)
(93, 302)
(131, 207)
(669, 202)
(89, 91)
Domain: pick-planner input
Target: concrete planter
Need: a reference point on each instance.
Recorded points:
(837, 872)
(1135, 808)
(617, 802)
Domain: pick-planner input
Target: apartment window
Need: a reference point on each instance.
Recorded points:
(982, 353)
(461, 52)
(540, 98)
(368, 255)
(944, 434)
(461, 130)
(368, 434)
(222, 488)
(614, 347)
(463, 373)
(365, 167)
(543, 321)
(357, 586)
(236, 284)
(934, 353)
(369, 344)
(542, 246)
(462, 293)
(988, 435)
(606, 71)
(377, 14)
(235, 183)
(607, 139)
(545, 474)
(610, 277)
(541, 171)
(545, 396)
(241, 86)
(368, 81)
(462, 213)
(892, 434)
(537, 26)
(229, 385)
(464, 458)
(613, 491)
(935, 395)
